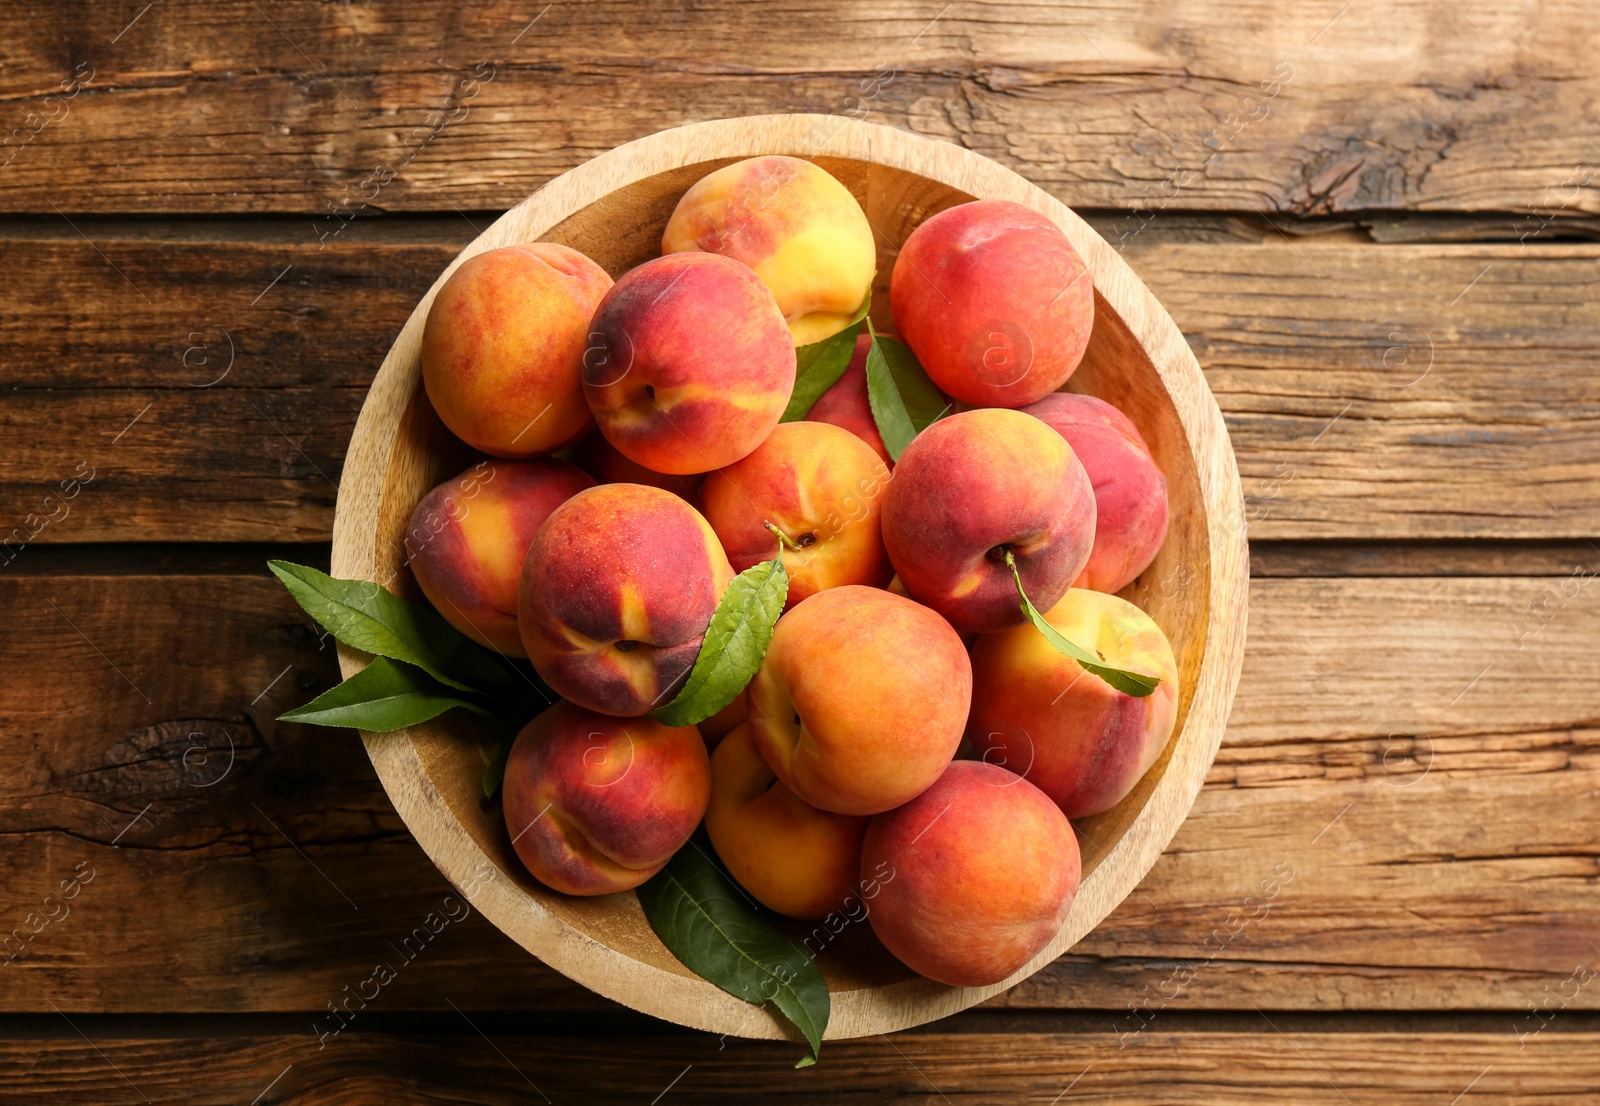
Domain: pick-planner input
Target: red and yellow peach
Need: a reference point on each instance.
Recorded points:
(994, 301)
(596, 804)
(823, 488)
(467, 539)
(618, 588)
(792, 857)
(985, 870)
(795, 225)
(503, 346)
(689, 364)
(861, 700)
(971, 488)
(1130, 492)
(1041, 715)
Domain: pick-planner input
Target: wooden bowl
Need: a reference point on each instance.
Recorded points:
(614, 209)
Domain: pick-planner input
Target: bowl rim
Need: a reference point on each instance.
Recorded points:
(689, 1000)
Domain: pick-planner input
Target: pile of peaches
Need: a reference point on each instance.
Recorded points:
(907, 724)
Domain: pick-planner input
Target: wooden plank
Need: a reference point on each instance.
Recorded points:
(1400, 392)
(1394, 744)
(202, 106)
(1449, 866)
(499, 1066)
(210, 388)
(224, 849)
(1482, 557)
(1438, 391)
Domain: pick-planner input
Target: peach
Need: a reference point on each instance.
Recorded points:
(596, 804)
(619, 586)
(994, 301)
(689, 364)
(968, 489)
(846, 404)
(504, 344)
(819, 484)
(797, 227)
(792, 857)
(600, 459)
(985, 868)
(467, 539)
(1041, 715)
(861, 700)
(1130, 492)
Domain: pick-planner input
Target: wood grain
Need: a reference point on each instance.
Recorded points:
(237, 853)
(1469, 887)
(1261, 1064)
(1482, 557)
(223, 107)
(1435, 390)
(211, 388)
(1316, 353)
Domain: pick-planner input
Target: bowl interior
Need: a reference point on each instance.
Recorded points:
(623, 229)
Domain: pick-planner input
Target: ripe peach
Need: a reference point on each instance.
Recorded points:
(971, 487)
(1130, 492)
(846, 404)
(467, 539)
(689, 364)
(1040, 715)
(994, 301)
(802, 232)
(503, 345)
(820, 485)
(862, 699)
(792, 857)
(597, 804)
(600, 459)
(985, 870)
(619, 586)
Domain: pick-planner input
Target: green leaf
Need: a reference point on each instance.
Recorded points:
(367, 617)
(819, 365)
(735, 642)
(709, 925)
(381, 697)
(904, 401)
(1124, 680)
(494, 775)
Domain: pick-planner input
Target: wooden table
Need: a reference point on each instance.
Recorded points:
(1373, 224)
